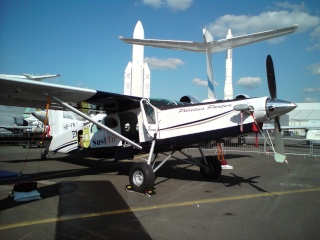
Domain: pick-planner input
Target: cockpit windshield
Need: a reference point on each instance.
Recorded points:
(162, 103)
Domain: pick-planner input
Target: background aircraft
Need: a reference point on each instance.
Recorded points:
(31, 77)
(209, 46)
(12, 119)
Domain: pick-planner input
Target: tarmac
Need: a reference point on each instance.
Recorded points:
(86, 199)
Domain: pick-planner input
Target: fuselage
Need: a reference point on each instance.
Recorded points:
(175, 125)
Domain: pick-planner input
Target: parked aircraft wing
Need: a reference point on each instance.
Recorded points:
(172, 44)
(29, 93)
(215, 46)
(41, 77)
(12, 127)
(224, 44)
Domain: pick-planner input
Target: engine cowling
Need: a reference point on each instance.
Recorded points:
(189, 99)
(242, 96)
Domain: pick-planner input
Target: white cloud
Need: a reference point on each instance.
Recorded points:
(316, 32)
(288, 5)
(169, 63)
(244, 24)
(177, 5)
(311, 90)
(249, 82)
(309, 100)
(200, 82)
(315, 37)
(180, 5)
(153, 3)
(314, 69)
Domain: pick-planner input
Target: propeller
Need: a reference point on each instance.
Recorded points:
(279, 145)
(271, 78)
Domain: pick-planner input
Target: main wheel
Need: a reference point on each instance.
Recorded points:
(141, 177)
(214, 168)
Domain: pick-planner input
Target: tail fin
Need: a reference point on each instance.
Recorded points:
(60, 121)
(207, 38)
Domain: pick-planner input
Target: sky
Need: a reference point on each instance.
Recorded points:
(79, 39)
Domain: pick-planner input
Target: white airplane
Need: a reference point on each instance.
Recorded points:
(30, 76)
(12, 120)
(209, 46)
(135, 124)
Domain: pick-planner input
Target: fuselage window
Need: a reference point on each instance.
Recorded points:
(111, 122)
(127, 127)
(67, 115)
(95, 128)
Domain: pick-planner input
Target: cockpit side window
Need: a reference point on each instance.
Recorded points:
(109, 122)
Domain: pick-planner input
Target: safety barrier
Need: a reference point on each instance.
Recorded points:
(292, 145)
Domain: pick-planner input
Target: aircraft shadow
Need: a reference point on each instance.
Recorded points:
(97, 203)
(175, 168)
(86, 210)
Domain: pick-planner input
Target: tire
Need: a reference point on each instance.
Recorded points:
(141, 177)
(43, 156)
(214, 171)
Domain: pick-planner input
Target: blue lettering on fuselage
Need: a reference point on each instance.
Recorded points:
(98, 142)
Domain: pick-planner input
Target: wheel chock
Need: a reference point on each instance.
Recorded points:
(148, 192)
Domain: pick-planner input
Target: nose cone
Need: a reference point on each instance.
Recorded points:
(276, 107)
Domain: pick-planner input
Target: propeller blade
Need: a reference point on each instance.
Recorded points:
(278, 142)
(280, 158)
(277, 124)
(271, 78)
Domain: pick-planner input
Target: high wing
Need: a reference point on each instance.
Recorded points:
(34, 94)
(215, 46)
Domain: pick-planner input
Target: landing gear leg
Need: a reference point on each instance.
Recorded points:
(141, 175)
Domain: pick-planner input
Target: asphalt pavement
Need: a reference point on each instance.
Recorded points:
(85, 198)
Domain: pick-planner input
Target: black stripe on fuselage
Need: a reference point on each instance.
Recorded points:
(65, 145)
(198, 121)
(185, 141)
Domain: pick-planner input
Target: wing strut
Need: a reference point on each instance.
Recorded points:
(97, 123)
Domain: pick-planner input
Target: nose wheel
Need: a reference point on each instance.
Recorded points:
(141, 177)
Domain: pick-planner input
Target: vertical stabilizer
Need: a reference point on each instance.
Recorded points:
(60, 121)
(207, 37)
(55, 122)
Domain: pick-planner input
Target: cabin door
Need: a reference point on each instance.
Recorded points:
(149, 114)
